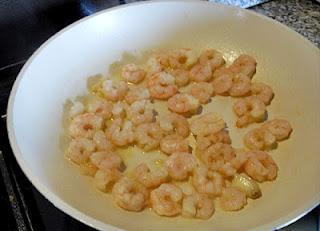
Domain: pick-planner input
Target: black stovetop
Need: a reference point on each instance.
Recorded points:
(24, 26)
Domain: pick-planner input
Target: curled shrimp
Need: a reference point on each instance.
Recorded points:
(244, 64)
(148, 178)
(260, 166)
(180, 165)
(202, 91)
(79, 150)
(240, 159)
(259, 139)
(114, 91)
(88, 169)
(183, 103)
(197, 205)
(132, 73)
(162, 85)
(232, 199)
(148, 136)
(201, 73)
(207, 182)
(203, 142)
(101, 141)
(218, 157)
(166, 200)
(140, 112)
(120, 132)
(181, 57)
(100, 108)
(77, 108)
(174, 143)
(136, 94)
(241, 85)
(207, 124)
(222, 84)
(181, 77)
(223, 71)
(173, 123)
(106, 160)
(104, 179)
(157, 63)
(213, 57)
(280, 128)
(263, 91)
(129, 195)
(119, 110)
(249, 110)
(85, 125)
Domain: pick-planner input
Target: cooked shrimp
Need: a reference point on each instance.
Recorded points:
(218, 157)
(119, 110)
(140, 112)
(207, 182)
(260, 166)
(174, 143)
(207, 124)
(166, 200)
(120, 132)
(176, 59)
(183, 103)
(129, 195)
(181, 77)
(100, 108)
(79, 150)
(136, 94)
(201, 73)
(232, 199)
(180, 165)
(197, 205)
(77, 108)
(132, 73)
(203, 142)
(263, 91)
(181, 57)
(173, 123)
(104, 179)
(223, 71)
(259, 139)
(162, 85)
(114, 91)
(148, 178)
(106, 160)
(240, 85)
(157, 63)
(249, 110)
(190, 56)
(87, 169)
(85, 125)
(244, 64)
(213, 57)
(240, 159)
(101, 142)
(222, 84)
(202, 91)
(281, 129)
(148, 136)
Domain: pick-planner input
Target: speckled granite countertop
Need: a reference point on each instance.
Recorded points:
(301, 15)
